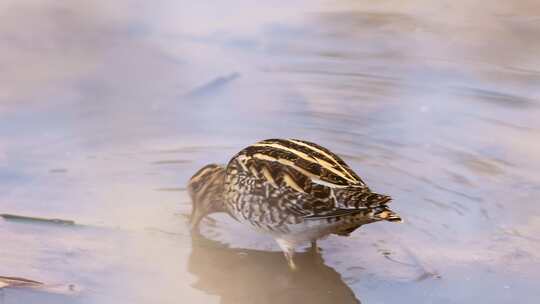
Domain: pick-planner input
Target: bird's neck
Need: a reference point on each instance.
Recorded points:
(206, 188)
(214, 191)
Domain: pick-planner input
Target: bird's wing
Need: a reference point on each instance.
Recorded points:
(287, 188)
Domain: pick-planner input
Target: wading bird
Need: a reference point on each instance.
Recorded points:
(294, 190)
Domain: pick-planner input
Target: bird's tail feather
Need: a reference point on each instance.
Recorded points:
(384, 213)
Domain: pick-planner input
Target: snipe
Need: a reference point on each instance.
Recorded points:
(294, 190)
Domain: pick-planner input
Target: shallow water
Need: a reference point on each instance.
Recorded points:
(107, 109)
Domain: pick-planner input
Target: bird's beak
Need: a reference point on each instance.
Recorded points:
(196, 217)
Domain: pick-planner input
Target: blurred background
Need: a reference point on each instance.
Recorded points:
(108, 107)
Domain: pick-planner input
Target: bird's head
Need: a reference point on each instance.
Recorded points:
(206, 191)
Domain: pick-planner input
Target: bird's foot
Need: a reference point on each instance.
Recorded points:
(288, 251)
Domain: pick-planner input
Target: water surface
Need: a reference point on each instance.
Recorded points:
(106, 110)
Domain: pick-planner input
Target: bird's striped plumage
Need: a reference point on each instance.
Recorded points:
(293, 189)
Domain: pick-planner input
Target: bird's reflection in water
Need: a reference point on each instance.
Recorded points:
(255, 276)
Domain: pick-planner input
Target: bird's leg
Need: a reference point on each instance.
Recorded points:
(315, 253)
(314, 247)
(288, 251)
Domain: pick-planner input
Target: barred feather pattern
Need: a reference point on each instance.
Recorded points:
(282, 185)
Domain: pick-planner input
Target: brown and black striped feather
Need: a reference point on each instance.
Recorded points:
(328, 168)
(292, 170)
(302, 204)
(333, 157)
